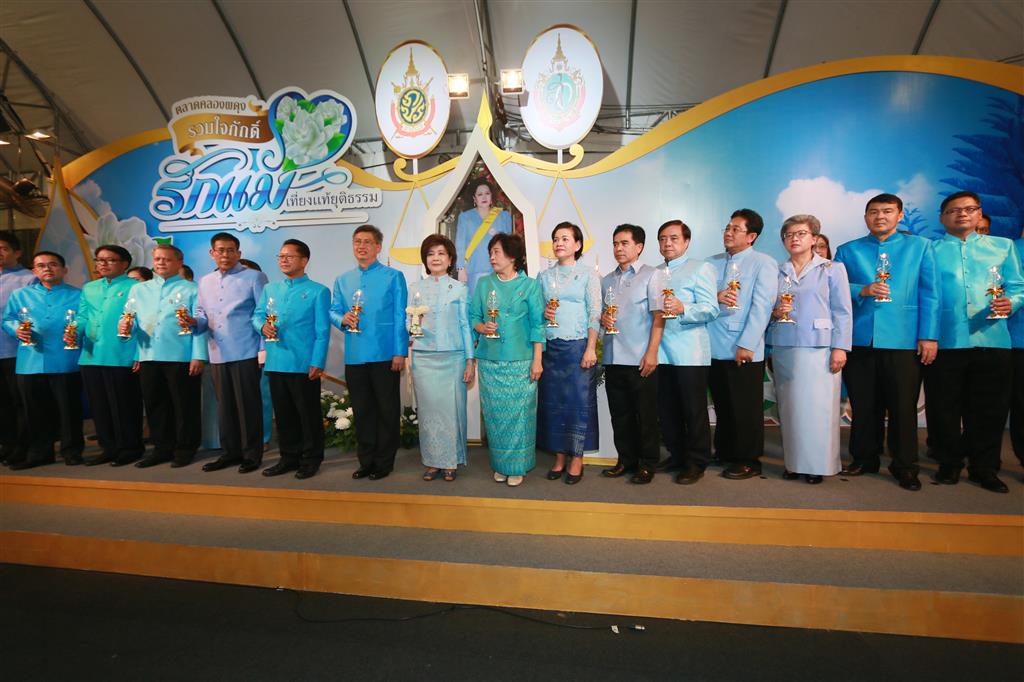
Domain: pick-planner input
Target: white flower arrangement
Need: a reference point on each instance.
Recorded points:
(310, 132)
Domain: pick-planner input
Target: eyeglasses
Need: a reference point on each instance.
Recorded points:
(967, 210)
(734, 230)
(225, 252)
(799, 234)
(288, 256)
(108, 261)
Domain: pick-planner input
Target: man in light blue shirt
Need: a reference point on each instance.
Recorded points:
(892, 338)
(375, 355)
(630, 357)
(227, 299)
(747, 285)
(169, 362)
(688, 301)
(1016, 324)
(970, 381)
(294, 318)
(107, 360)
(13, 438)
(47, 372)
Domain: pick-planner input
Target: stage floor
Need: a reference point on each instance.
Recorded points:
(866, 493)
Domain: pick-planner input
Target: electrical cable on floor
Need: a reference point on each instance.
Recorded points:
(297, 608)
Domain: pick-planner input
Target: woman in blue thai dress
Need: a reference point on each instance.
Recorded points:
(567, 400)
(510, 365)
(811, 332)
(474, 231)
(442, 359)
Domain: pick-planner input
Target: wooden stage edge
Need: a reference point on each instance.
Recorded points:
(982, 534)
(923, 613)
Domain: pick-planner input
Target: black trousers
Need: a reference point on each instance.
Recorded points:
(173, 407)
(1017, 404)
(14, 434)
(239, 409)
(377, 409)
(683, 414)
(971, 385)
(300, 426)
(116, 401)
(633, 404)
(738, 394)
(44, 394)
(880, 381)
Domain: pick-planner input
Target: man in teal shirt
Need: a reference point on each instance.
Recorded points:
(294, 318)
(47, 373)
(170, 363)
(892, 339)
(13, 438)
(107, 359)
(970, 380)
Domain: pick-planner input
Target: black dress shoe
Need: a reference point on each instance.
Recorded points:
(618, 470)
(947, 476)
(307, 471)
(152, 461)
(859, 469)
(908, 480)
(31, 463)
(573, 479)
(282, 467)
(642, 477)
(219, 463)
(248, 466)
(362, 472)
(73, 460)
(125, 460)
(689, 476)
(739, 471)
(377, 475)
(179, 462)
(989, 481)
(788, 475)
(553, 475)
(813, 479)
(99, 459)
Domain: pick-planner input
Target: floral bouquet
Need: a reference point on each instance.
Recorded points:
(339, 427)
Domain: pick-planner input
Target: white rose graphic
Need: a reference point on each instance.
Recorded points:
(286, 108)
(129, 233)
(305, 139)
(331, 116)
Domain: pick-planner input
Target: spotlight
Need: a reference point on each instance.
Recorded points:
(511, 81)
(458, 86)
(38, 135)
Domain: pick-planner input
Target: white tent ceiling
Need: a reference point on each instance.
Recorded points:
(113, 68)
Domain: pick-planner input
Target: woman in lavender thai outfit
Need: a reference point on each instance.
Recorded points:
(442, 360)
(567, 402)
(808, 353)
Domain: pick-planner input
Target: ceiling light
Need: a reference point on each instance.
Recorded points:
(38, 135)
(458, 86)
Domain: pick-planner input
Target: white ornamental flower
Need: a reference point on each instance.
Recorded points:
(341, 423)
(286, 109)
(305, 140)
(129, 233)
(330, 113)
(332, 413)
(347, 413)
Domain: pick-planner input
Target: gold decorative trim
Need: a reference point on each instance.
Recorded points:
(60, 190)
(984, 534)
(922, 613)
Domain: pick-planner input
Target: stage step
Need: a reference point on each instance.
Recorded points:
(913, 593)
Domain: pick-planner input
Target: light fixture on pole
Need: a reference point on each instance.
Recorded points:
(511, 81)
(458, 86)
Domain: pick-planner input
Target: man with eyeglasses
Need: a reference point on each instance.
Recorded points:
(375, 354)
(227, 299)
(47, 372)
(895, 332)
(13, 276)
(689, 299)
(169, 362)
(294, 318)
(747, 286)
(970, 381)
(107, 359)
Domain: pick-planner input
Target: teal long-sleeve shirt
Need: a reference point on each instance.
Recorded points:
(156, 327)
(963, 267)
(303, 309)
(520, 318)
(99, 312)
(47, 309)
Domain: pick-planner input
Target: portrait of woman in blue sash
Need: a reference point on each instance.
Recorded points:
(475, 229)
